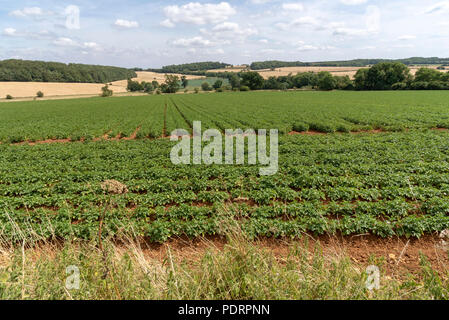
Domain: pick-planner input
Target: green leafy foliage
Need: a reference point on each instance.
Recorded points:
(390, 183)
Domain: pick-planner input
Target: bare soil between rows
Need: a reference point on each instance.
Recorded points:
(133, 136)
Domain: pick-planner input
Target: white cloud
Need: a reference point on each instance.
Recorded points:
(403, 46)
(353, 2)
(350, 32)
(126, 23)
(303, 21)
(440, 7)
(293, 6)
(10, 32)
(373, 17)
(272, 51)
(215, 51)
(308, 47)
(65, 42)
(28, 12)
(167, 23)
(85, 46)
(199, 14)
(227, 26)
(368, 48)
(372, 25)
(90, 45)
(232, 28)
(263, 41)
(406, 37)
(39, 35)
(192, 42)
(260, 1)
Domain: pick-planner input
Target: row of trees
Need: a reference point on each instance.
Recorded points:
(382, 76)
(39, 71)
(172, 84)
(254, 81)
(39, 94)
(397, 76)
(147, 87)
(350, 63)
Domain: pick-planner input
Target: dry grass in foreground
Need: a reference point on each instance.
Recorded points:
(240, 269)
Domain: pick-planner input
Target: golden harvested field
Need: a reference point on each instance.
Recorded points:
(53, 89)
(233, 69)
(29, 89)
(149, 77)
(266, 73)
(414, 69)
(336, 71)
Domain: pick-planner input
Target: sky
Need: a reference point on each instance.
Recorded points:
(151, 34)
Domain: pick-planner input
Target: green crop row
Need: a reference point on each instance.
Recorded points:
(327, 112)
(385, 184)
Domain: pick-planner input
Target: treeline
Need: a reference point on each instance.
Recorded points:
(172, 84)
(382, 76)
(191, 67)
(252, 80)
(397, 76)
(40, 71)
(350, 63)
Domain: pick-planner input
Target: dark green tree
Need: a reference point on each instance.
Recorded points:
(171, 84)
(147, 87)
(184, 81)
(106, 92)
(252, 79)
(360, 79)
(234, 80)
(428, 75)
(134, 86)
(326, 81)
(206, 86)
(383, 75)
(218, 84)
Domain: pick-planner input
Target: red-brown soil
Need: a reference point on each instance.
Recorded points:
(397, 257)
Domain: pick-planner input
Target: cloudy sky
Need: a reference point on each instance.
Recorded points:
(150, 33)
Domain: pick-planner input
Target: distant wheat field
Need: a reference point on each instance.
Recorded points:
(52, 89)
(56, 89)
(151, 76)
(336, 71)
(29, 89)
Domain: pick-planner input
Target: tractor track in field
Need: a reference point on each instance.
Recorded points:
(182, 115)
(220, 122)
(164, 130)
